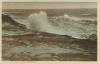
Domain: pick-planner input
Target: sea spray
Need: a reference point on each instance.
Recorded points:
(66, 25)
(41, 23)
(61, 25)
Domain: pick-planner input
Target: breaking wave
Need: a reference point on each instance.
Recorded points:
(62, 25)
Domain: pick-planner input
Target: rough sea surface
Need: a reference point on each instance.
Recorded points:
(48, 37)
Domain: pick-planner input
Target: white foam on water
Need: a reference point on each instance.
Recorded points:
(40, 22)
(65, 27)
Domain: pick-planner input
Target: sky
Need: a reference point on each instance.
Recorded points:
(49, 0)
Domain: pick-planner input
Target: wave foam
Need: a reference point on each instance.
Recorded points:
(62, 25)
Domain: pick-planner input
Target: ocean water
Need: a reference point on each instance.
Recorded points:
(42, 49)
(39, 46)
(76, 27)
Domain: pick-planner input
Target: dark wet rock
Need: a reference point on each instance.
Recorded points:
(8, 23)
(93, 37)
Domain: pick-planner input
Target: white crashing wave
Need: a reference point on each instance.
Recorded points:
(42, 23)
(66, 25)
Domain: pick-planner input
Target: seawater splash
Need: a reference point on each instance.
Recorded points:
(66, 25)
(69, 27)
(41, 23)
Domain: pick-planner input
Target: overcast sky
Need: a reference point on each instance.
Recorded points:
(49, 0)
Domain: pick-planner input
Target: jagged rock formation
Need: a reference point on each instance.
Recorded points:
(8, 23)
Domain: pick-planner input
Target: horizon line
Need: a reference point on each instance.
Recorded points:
(48, 2)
